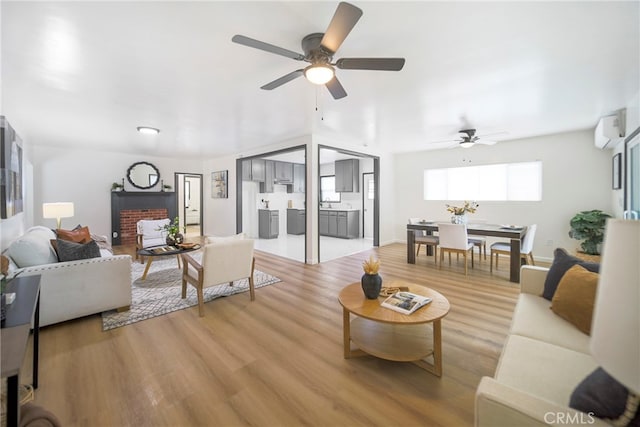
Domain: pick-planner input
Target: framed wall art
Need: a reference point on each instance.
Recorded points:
(617, 172)
(11, 191)
(219, 185)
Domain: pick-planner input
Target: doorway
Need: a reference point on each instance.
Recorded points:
(368, 201)
(189, 196)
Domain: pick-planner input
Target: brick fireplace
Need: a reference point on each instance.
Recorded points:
(130, 217)
(129, 207)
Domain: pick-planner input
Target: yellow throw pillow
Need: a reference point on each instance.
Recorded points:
(575, 297)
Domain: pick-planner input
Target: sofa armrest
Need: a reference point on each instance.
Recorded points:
(499, 405)
(73, 289)
(532, 279)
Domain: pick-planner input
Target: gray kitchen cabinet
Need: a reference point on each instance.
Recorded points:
(253, 170)
(296, 221)
(269, 177)
(268, 224)
(342, 224)
(298, 178)
(284, 172)
(324, 223)
(347, 174)
(333, 223)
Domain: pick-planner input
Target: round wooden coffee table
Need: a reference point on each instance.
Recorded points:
(390, 335)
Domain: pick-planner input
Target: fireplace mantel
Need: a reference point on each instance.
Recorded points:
(139, 200)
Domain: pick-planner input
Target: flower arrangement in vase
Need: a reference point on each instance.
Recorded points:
(173, 232)
(460, 212)
(371, 280)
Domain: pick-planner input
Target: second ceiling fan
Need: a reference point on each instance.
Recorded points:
(319, 49)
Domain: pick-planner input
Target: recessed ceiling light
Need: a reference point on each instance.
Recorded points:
(147, 130)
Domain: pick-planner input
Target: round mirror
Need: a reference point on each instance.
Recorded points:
(143, 175)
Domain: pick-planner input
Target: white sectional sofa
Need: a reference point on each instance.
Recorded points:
(543, 360)
(71, 289)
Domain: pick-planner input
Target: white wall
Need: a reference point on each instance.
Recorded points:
(84, 177)
(576, 176)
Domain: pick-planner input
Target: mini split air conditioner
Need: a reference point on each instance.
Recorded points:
(609, 130)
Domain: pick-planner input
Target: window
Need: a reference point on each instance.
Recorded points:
(500, 182)
(328, 189)
(371, 194)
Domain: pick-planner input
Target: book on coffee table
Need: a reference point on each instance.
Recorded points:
(405, 302)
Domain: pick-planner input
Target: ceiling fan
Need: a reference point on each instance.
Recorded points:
(467, 138)
(319, 49)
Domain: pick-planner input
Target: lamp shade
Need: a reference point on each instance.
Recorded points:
(615, 331)
(57, 210)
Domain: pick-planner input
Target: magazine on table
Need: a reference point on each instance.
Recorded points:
(405, 302)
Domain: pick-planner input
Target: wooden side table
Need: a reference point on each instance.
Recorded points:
(390, 335)
(15, 336)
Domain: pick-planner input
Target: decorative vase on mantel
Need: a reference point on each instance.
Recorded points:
(371, 285)
(459, 219)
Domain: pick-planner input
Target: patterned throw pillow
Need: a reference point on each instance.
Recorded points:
(71, 251)
(562, 262)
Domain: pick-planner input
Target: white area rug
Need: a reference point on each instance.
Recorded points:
(161, 292)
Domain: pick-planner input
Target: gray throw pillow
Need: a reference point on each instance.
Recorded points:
(71, 251)
(562, 262)
(602, 396)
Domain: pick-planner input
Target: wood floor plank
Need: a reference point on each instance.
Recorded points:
(277, 360)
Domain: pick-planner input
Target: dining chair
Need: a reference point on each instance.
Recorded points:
(421, 238)
(454, 238)
(223, 261)
(480, 242)
(150, 232)
(526, 248)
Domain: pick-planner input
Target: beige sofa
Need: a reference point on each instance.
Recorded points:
(71, 289)
(543, 360)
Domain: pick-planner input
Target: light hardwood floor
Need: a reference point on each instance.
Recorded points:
(277, 361)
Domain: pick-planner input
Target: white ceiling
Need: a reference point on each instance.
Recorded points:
(86, 74)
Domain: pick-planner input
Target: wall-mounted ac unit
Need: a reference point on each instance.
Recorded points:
(609, 130)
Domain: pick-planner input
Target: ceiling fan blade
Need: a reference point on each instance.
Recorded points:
(343, 21)
(282, 80)
(382, 64)
(257, 44)
(336, 89)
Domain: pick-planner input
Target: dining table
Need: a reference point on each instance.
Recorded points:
(514, 233)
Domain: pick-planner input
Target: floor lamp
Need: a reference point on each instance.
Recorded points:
(58, 211)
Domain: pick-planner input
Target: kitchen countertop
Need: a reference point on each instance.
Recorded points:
(339, 209)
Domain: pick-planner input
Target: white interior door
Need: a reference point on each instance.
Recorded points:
(367, 206)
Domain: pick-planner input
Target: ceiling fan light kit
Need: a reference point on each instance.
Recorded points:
(466, 144)
(319, 73)
(319, 49)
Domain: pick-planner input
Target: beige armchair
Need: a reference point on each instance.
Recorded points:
(222, 262)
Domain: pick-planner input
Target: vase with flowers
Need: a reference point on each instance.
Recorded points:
(460, 212)
(371, 280)
(174, 237)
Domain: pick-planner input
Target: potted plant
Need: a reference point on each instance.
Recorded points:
(174, 236)
(589, 227)
(166, 187)
(116, 186)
